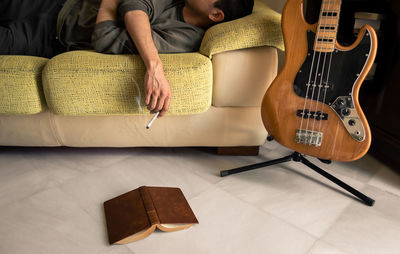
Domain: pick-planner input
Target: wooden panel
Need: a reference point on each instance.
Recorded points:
(239, 150)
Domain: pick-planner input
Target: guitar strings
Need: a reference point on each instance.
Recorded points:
(326, 86)
(323, 50)
(303, 135)
(319, 48)
(308, 140)
(321, 81)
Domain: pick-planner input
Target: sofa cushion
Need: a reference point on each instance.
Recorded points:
(90, 83)
(20, 85)
(261, 28)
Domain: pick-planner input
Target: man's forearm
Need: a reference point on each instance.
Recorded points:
(138, 25)
(157, 88)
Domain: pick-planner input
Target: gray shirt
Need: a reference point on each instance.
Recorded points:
(76, 27)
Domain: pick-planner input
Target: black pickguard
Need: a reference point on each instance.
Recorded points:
(345, 67)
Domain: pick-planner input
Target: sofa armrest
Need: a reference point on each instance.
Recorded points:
(261, 28)
(241, 77)
(21, 90)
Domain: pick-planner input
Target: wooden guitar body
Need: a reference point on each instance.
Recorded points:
(333, 119)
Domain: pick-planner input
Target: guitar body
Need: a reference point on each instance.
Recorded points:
(329, 111)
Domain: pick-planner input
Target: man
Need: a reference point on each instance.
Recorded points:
(147, 27)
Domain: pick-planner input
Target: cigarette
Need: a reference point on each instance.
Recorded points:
(152, 120)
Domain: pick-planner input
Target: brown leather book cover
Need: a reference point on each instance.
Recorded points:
(136, 214)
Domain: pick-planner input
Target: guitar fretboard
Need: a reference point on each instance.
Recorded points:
(328, 23)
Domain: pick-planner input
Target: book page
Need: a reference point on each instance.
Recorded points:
(138, 236)
(173, 227)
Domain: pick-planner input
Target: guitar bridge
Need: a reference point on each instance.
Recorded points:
(308, 137)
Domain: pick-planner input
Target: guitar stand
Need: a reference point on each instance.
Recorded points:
(300, 158)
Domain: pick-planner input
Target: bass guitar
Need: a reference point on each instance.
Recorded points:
(312, 105)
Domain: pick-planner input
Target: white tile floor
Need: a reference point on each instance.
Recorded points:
(51, 202)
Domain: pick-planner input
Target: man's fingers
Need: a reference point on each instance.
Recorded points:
(165, 108)
(148, 93)
(160, 103)
(157, 92)
(153, 101)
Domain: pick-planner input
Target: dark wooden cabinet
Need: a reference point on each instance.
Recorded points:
(379, 96)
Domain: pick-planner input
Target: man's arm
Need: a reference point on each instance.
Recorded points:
(157, 88)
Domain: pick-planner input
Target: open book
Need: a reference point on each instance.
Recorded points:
(136, 214)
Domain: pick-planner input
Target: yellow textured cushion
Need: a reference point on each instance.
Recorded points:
(261, 28)
(89, 83)
(20, 85)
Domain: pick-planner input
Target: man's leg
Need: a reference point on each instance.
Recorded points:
(11, 10)
(28, 32)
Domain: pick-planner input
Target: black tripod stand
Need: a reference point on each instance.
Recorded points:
(300, 158)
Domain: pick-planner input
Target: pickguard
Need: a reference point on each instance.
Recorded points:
(339, 73)
(329, 78)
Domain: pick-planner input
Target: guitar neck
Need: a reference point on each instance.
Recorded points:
(328, 24)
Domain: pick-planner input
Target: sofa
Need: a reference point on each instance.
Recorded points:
(89, 99)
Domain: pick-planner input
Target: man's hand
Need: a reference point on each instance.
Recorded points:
(157, 90)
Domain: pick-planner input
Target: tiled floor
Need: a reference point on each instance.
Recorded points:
(51, 202)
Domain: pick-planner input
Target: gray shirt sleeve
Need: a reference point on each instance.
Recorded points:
(110, 38)
(153, 8)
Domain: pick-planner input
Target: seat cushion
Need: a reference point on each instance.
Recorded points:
(21, 90)
(90, 83)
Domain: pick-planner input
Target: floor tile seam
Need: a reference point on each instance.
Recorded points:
(31, 195)
(36, 193)
(268, 213)
(205, 179)
(112, 164)
(327, 243)
(72, 198)
(96, 167)
(312, 246)
(381, 189)
(67, 166)
(339, 190)
(337, 174)
(60, 187)
(339, 216)
(125, 247)
(331, 171)
(344, 209)
(384, 190)
(321, 182)
(83, 174)
(318, 181)
(93, 166)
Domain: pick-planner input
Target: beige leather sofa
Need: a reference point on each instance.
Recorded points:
(71, 100)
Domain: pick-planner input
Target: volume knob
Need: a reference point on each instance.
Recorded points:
(345, 111)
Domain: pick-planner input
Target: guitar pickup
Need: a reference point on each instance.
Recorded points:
(312, 114)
